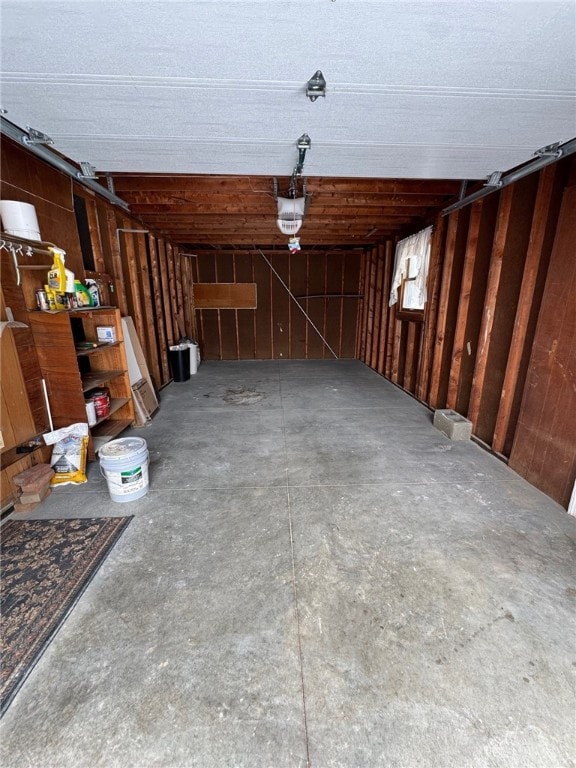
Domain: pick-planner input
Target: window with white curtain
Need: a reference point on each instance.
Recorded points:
(411, 271)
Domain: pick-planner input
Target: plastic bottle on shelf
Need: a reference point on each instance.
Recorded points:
(92, 286)
(83, 295)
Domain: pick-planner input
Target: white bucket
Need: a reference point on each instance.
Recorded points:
(19, 219)
(194, 356)
(124, 464)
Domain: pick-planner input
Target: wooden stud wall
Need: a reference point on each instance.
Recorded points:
(388, 345)
(486, 305)
(544, 447)
(324, 283)
(493, 290)
(150, 279)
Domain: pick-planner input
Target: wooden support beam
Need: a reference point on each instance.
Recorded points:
(95, 239)
(118, 274)
(360, 324)
(537, 257)
(431, 308)
(384, 314)
(543, 447)
(371, 299)
(151, 321)
(134, 294)
(398, 352)
(164, 376)
(411, 349)
(165, 285)
(380, 254)
(504, 215)
(205, 184)
(500, 305)
(447, 307)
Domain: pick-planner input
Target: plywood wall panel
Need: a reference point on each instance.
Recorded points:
(316, 272)
(281, 306)
(503, 288)
(544, 449)
(333, 303)
(539, 248)
(350, 306)
(471, 304)
(452, 267)
(163, 375)
(210, 341)
(226, 317)
(244, 273)
(298, 322)
(431, 309)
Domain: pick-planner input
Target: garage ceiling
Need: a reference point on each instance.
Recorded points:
(416, 90)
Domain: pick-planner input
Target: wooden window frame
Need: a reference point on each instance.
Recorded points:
(403, 313)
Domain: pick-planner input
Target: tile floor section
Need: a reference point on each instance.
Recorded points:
(318, 577)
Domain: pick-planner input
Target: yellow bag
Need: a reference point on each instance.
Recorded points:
(69, 454)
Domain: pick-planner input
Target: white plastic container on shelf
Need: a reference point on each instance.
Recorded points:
(19, 219)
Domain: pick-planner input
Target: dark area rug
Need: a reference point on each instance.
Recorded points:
(46, 565)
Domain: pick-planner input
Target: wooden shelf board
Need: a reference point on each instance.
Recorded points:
(97, 346)
(115, 404)
(98, 379)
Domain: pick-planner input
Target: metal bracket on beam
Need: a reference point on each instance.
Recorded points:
(36, 137)
(35, 146)
(545, 156)
(87, 171)
(275, 188)
(494, 180)
(550, 150)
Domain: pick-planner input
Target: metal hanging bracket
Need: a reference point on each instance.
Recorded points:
(87, 171)
(551, 150)
(36, 137)
(494, 180)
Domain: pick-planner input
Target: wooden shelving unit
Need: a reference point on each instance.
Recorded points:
(71, 368)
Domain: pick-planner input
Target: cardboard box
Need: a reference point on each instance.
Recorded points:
(106, 333)
(137, 368)
(145, 401)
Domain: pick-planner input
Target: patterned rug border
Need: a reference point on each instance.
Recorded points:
(82, 573)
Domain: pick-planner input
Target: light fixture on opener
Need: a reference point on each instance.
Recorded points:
(290, 214)
(316, 86)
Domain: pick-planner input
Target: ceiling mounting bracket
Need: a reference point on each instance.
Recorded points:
(550, 150)
(87, 171)
(316, 86)
(275, 187)
(36, 137)
(494, 180)
(110, 182)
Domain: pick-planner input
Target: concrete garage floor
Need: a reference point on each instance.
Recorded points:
(317, 576)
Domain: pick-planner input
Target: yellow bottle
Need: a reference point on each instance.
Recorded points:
(57, 275)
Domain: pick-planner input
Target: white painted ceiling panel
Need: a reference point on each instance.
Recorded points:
(415, 90)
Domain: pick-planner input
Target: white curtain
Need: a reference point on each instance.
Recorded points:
(417, 249)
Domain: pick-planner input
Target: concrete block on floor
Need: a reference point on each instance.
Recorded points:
(452, 424)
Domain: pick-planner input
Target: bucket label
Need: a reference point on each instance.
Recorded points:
(133, 476)
(128, 482)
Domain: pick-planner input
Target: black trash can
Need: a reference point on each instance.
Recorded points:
(180, 362)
